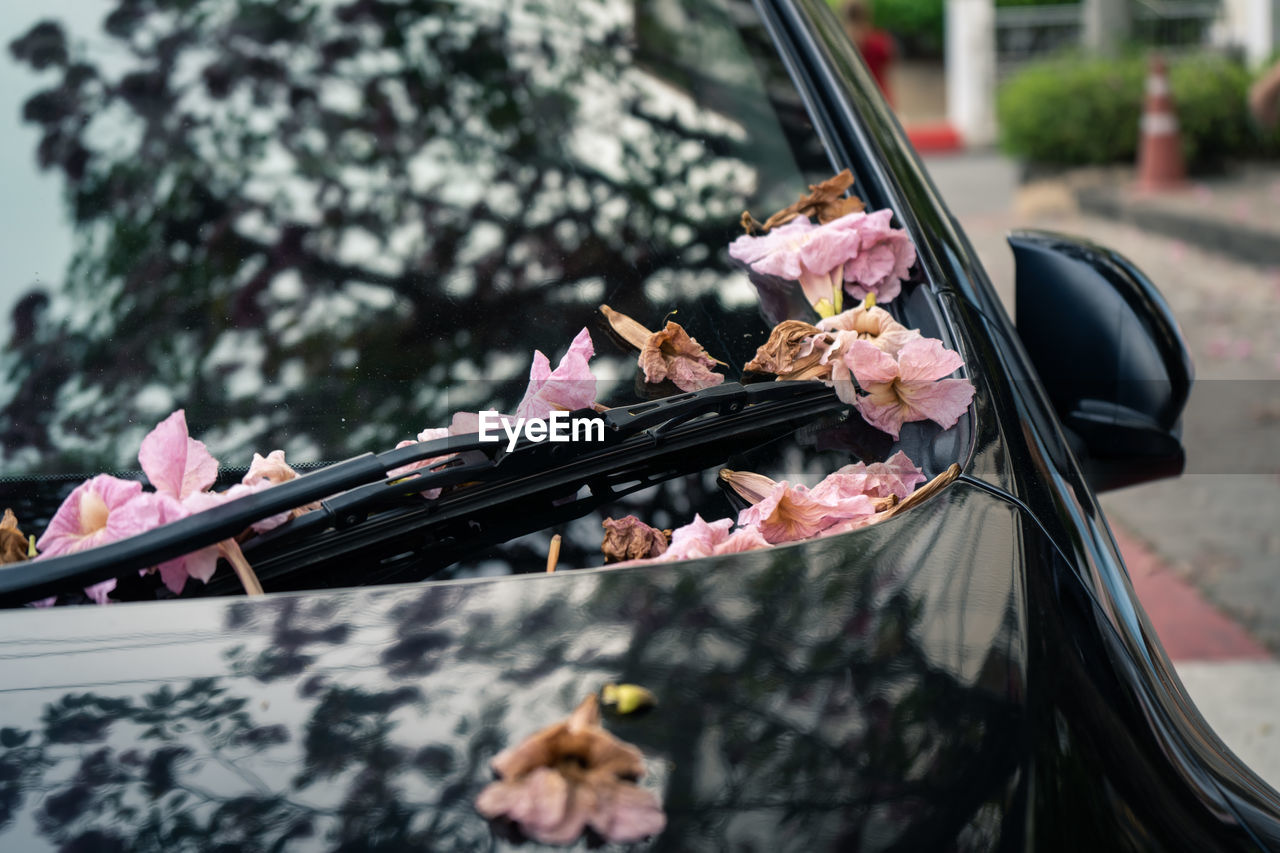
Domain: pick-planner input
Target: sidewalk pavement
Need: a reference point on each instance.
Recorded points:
(1236, 213)
(1203, 550)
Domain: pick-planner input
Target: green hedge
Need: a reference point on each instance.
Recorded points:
(1074, 110)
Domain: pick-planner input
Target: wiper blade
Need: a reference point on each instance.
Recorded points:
(351, 491)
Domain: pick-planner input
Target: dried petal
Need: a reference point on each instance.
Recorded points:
(272, 468)
(628, 329)
(13, 544)
(752, 487)
(570, 776)
(672, 354)
(826, 201)
(795, 350)
(926, 491)
(629, 538)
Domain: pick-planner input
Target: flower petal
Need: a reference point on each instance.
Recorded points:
(942, 402)
(868, 363)
(570, 386)
(926, 359)
(175, 463)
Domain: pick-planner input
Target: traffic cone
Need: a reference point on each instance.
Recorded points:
(1160, 164)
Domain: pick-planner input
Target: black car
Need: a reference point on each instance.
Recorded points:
(324, 226)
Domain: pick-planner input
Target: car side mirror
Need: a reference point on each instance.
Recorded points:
(1109, 353)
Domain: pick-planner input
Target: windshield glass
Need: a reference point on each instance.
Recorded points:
(324, 227)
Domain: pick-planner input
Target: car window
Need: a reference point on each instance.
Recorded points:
(323, 227)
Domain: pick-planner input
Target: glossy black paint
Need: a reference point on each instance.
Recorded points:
(973, 674)
(1110, 354)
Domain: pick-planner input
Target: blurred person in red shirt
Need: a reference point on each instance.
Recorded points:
(876, 46)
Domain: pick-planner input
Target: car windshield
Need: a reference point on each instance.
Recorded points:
(323, 227)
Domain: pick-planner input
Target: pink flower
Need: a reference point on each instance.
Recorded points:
(908, 388)
(897, 476)
(791, 513)
(883, 258)
(858, 253)
(570, 386)
(742, 539)
(99, 511)
(176, 464)
(813, 255)
(696, 539)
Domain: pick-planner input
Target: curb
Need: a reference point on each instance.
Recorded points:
(934, 138)
(1236, 240)
(1189, 627)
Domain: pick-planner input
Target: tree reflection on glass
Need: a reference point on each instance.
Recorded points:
(302, 221)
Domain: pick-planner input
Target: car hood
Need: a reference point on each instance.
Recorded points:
(898, 688)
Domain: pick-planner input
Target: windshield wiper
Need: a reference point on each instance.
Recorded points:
(367, 512)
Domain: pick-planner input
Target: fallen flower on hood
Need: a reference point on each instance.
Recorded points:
(897, 476)
(868, 322)
(908, 388)
(795, 350)
(921, 494)
(790, 513)
(673, 354)
(13, 544)
(667, 354)
(567, 388)
(826, 201)
(813, 255)
(570, 776)
(629, 538)
(883, 258)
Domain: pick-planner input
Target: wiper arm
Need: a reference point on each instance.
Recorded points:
(352, 490)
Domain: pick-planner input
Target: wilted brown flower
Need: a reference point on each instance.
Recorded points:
(825, 202)
(794, 351)
(629, 538)
(667, 354)
(672, 354)
(13, 545)
(570, 776)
